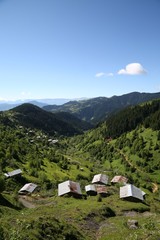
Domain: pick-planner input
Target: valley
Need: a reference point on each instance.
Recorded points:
(51, 148)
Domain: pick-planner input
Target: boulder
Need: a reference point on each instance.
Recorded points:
(132, 224)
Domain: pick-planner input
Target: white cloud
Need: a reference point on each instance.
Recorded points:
(102, 74)
(132, 69)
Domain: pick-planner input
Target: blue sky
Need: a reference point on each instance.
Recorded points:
(78, 48)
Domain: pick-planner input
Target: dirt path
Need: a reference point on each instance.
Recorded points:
(155, 187)
(127, 160)
(26, 202)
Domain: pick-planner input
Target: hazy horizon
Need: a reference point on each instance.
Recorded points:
(65, 99)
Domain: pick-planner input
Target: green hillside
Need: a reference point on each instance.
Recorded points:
(32, 116)
(134, 153)
(147, 114)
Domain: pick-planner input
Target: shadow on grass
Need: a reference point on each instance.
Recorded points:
(4, 202)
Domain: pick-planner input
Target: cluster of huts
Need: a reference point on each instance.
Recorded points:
(27, 188)
(99, 186)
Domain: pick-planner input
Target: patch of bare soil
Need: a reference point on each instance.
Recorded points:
(130, 213)
(26, 201)
(110, 226)
(34, 201)
(155, 187)
(134, 214)
(90, 224)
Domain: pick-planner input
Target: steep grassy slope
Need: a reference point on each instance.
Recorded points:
(69, 218)
(135, 145)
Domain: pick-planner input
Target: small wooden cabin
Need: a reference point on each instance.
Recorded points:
(119, 179)
(28, 188)
(102, 190)
(100, 179)
(131, 193)
(69, 187)
(91, 190)
(13, 173)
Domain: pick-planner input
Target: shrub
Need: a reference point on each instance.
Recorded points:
(107, 212)
(99, 198)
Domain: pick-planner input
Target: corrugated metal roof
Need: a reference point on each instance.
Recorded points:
(101, 189)
(13, 173)
(90, 187)
(28, 187)
(100, 178)
(131, 191)
(117, 179)
(69, 187)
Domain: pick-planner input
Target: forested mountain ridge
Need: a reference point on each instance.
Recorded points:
(29, 115)
(128, 119)
(98, 109)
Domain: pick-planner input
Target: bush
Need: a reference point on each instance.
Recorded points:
(107, 212)
(81, 177)
(99, 198)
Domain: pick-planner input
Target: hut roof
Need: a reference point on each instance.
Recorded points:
(69, 187)
(28, 187)
(13, 173)
(130, 191)
(100, 179)
(120, 178)
(90, 187)
(101, 189)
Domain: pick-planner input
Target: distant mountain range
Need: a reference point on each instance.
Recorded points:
(98, 109)
(6, 105)
(93, 111)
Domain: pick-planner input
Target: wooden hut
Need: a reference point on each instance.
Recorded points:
(100, 179)
(28, 188)
(119, 179)
(91, 190)
(69, 187)
(102, 190)
(131, 193)
(13, 173)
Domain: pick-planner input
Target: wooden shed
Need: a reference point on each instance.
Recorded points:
(28, 188)
(13, 173)
(102, 190)
(91, 190)
(119, 179)
(69, 187)
(131, 193)
(100, 179)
